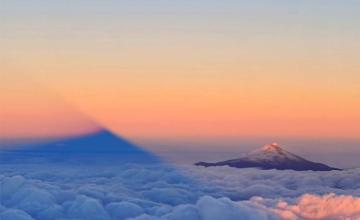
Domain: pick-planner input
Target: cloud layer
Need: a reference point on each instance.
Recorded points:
(329, 206)
(145, 192)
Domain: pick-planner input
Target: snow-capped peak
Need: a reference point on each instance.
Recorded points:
(272, 152)
(271, 147)
(271, 156)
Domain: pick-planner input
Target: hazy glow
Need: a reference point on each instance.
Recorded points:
(182, 68)
(28, 111)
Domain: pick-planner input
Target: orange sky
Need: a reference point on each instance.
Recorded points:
(162, 74)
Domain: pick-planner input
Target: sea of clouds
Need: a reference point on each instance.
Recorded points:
(162, 192)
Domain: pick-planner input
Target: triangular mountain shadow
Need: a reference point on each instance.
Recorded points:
(102, 146)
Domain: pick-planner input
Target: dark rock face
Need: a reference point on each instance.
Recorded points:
(272, 157)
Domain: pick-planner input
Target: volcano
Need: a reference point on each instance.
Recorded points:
(271, 156)
(102, 146)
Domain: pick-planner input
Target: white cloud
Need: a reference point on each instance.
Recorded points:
(123, 210)
(14, 214)
(330, 206)
(164, 193)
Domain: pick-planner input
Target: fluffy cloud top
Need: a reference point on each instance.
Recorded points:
(146, 192)
(328, 206)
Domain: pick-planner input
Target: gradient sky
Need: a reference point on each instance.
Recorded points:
(176, 69)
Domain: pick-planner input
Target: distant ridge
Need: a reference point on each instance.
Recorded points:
(102, 146)
(272, 156)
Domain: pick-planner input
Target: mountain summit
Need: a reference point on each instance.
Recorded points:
(271, 156)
